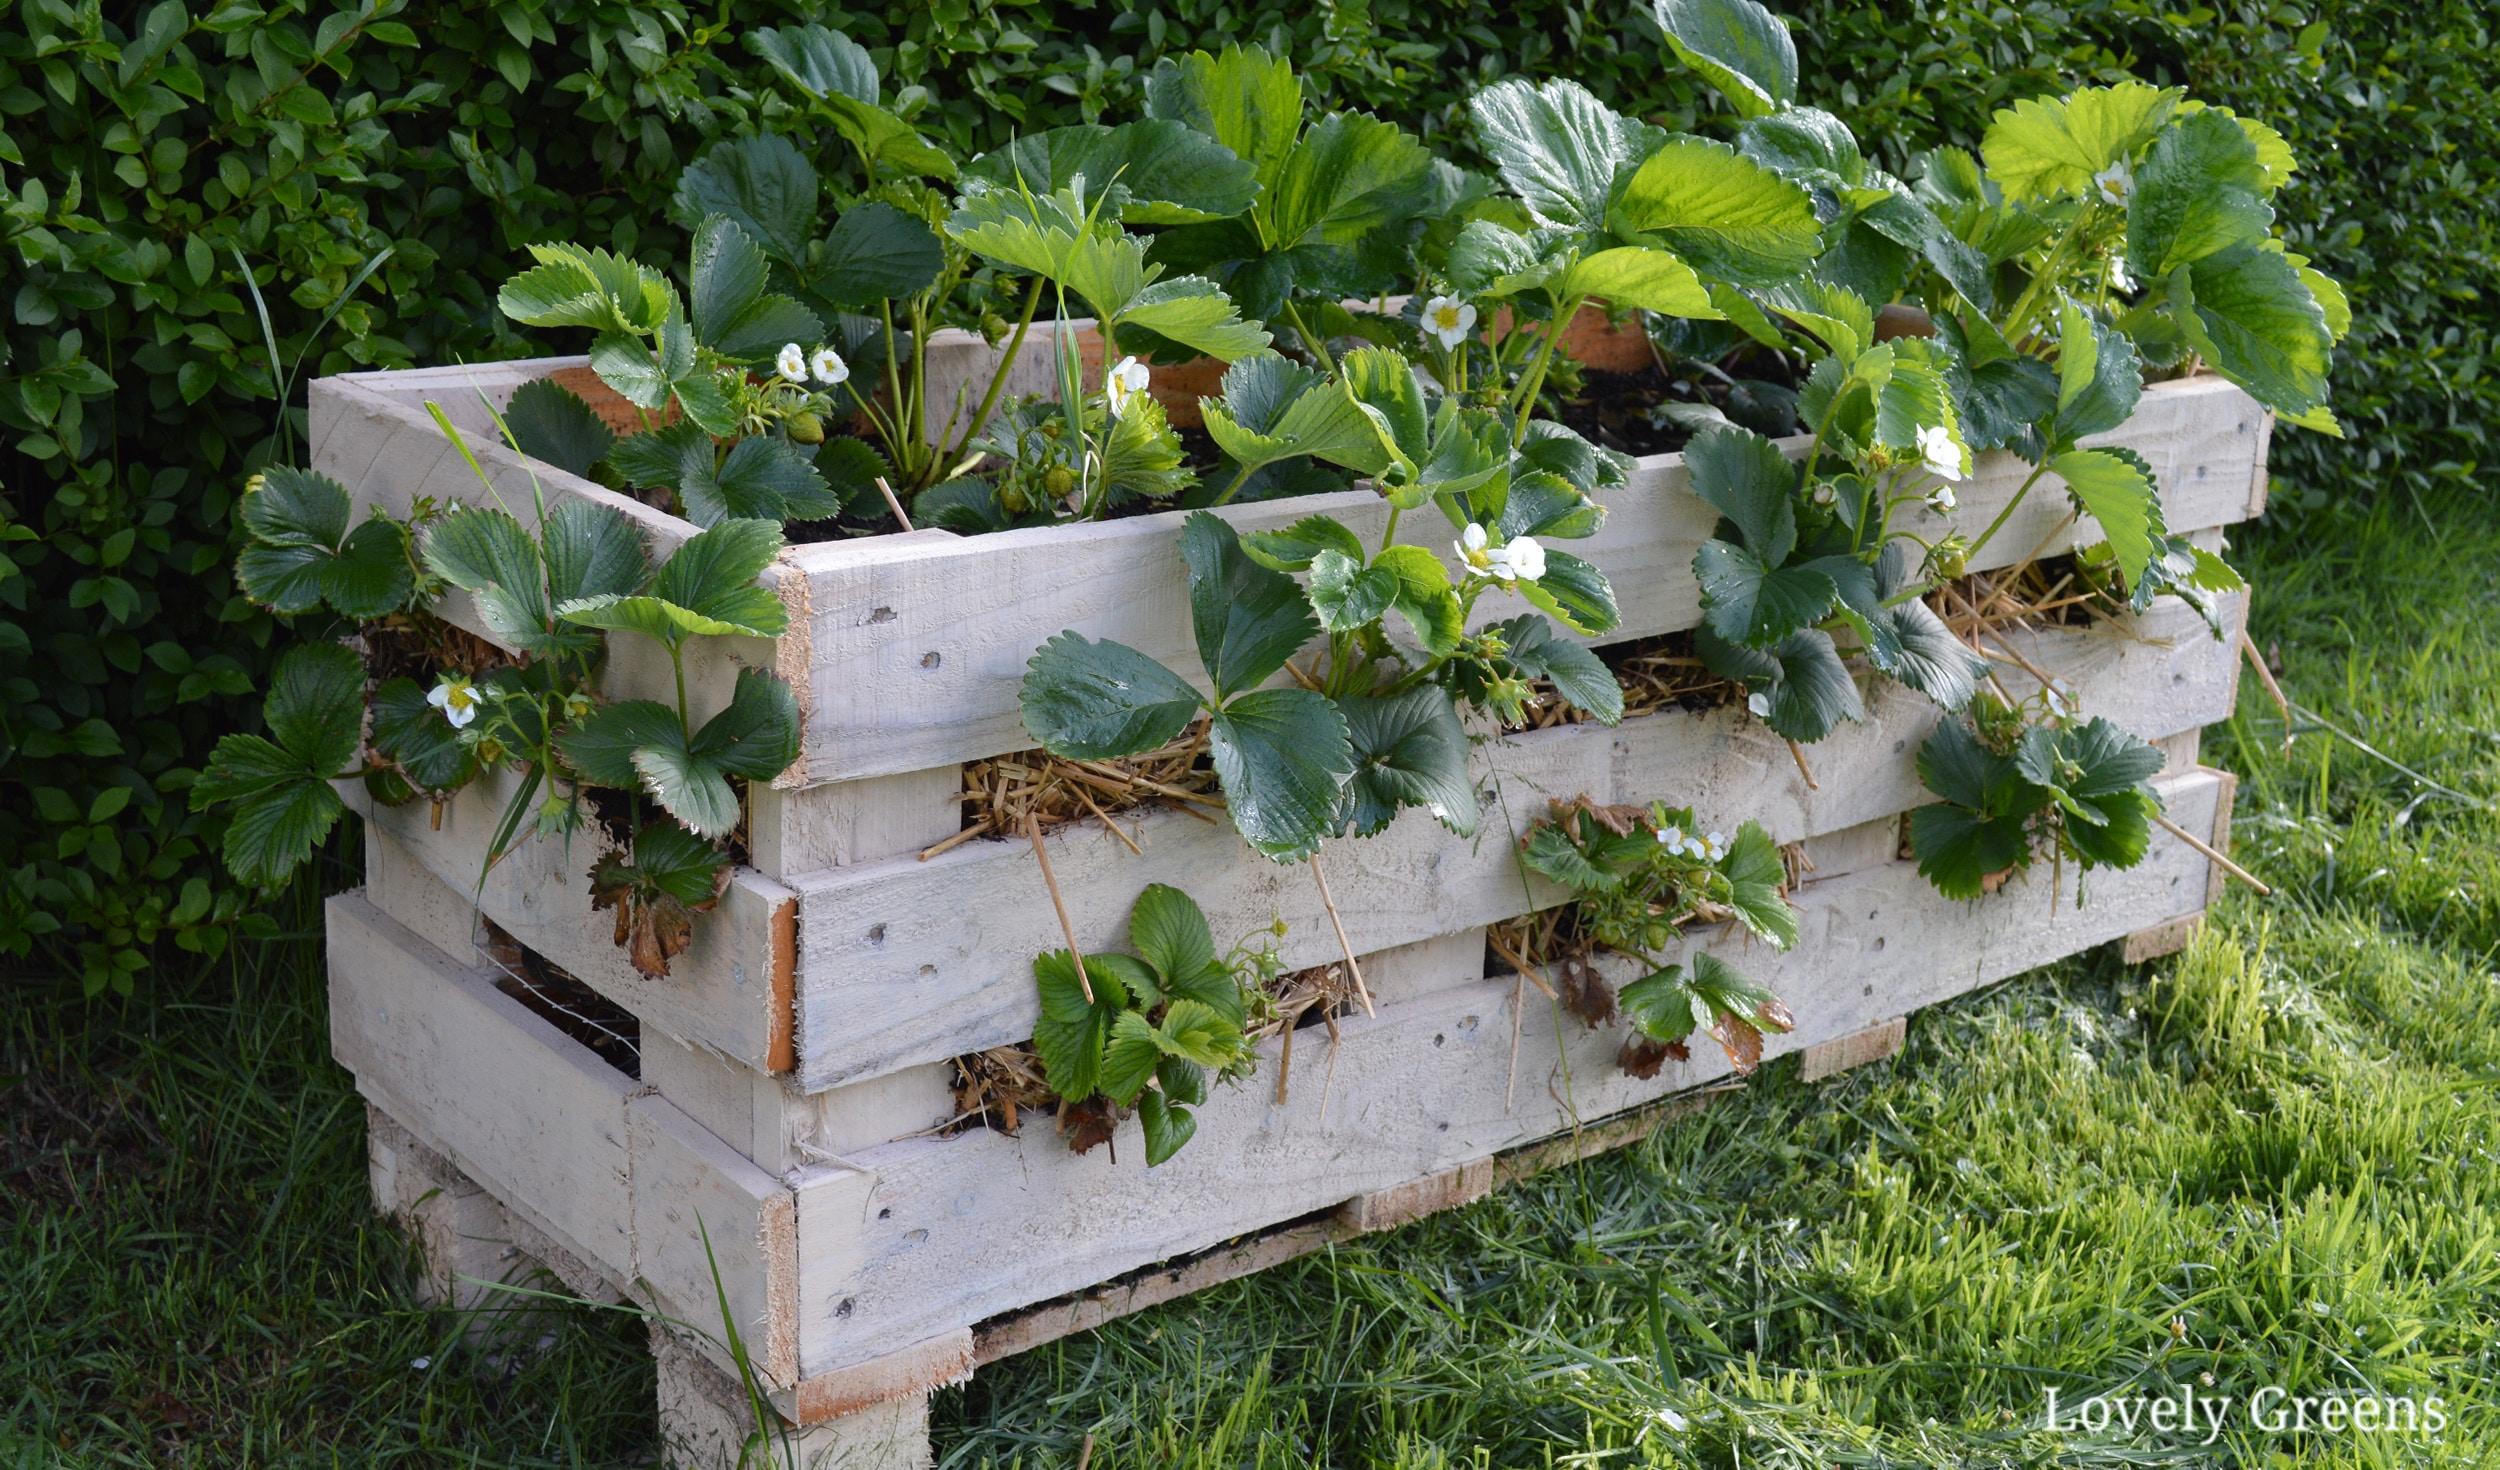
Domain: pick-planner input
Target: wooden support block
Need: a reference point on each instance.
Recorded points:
(842, 823)
(2166, 938)
(1831, 1058)
(1400, 1204)
(458, 1228)
(1853, 849)
(708, 1422)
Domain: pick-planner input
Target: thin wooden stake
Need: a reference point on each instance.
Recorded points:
(893, 504)
(1797, 753)
(1041, 854)
(2265, 676)
(1518, 1022)
(1284, 1062)
(2207, 848)
(1354, 967)
(1085, 1451)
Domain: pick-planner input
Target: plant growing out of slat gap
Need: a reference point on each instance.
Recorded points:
(1144, 1030)
(1638, 878)
(2015, 786)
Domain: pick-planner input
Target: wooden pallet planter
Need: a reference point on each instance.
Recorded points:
(793, 1071)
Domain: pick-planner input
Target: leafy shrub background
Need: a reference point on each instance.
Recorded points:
(377, 181)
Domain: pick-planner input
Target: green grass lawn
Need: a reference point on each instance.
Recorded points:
(2271, 1161)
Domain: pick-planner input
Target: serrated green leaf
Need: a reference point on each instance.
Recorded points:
(601, 746)
(1168, 172)
(1274, 409)
(1574, 593)
(1410, 750)
(2115, 487)
(1282, 756)
(2200, 191)
(1746, 479)
(2052, 148)
(732, 312)
(1293, 548)
(1347, 594)
(2251, 313)
(549, 422)
(688, 787)
(875, 253)
(1100, 701)
(764, 183)
(1556, 146)
(1168, 1126)
(1169, 932)
(1802, 676)
(1726, 214)
(2099, 378)
(1248, 619)
(1577, 674)
(303, 555)
(416, 736)
(1073, 1032)
(1756, 877)
(756, 735)
(1738, 47)
(1425, 597)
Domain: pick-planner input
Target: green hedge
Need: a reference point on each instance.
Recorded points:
(376, 179)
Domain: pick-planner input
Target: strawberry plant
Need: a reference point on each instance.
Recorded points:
(1144, 1029)
(1638, 877)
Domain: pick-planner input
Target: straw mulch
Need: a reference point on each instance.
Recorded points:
(1001, 792)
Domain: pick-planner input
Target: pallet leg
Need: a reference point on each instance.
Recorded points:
(2162, 939)
(1838, 1055)
(458, 1227)
(467, 1241)
(708, 1423)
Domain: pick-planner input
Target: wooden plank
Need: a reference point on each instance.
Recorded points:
(918, 651)
(904, 961)
(720, 993)
(512, 1102)
(931, 1236)
(687, 1186)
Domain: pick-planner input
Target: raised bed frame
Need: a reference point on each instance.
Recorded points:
(793, 1070)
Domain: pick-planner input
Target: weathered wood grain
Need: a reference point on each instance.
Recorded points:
(933, 1239)
(906, 962)
(730, 990)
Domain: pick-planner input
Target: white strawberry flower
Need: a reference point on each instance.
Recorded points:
(1824, 494)
(456, 698)
(1521, 560)
(1123, 383)
(1942, 499)
(1448, 320)
(829, 368)
(1471, 548)
(1718, 846)
(2119, 280)
(1942, 455)
(1760, 704)
(2114, 182)
(792, 363)
(1671, 838)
